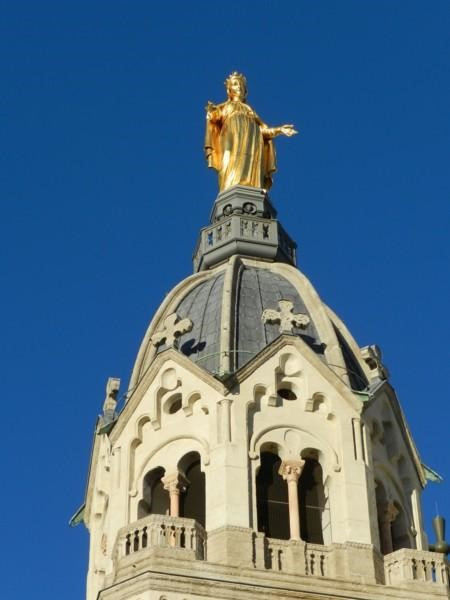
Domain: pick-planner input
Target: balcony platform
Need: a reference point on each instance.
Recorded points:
(167, 554)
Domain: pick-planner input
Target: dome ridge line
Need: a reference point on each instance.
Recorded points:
(261, 307)
(227, 324)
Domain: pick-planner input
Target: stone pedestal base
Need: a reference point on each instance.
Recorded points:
(231, 546)
(357, 562)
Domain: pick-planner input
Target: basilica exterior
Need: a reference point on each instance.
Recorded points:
(260, 451)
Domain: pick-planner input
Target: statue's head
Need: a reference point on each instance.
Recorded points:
(236, 85)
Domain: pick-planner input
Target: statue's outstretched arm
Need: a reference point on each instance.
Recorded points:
(271, 132)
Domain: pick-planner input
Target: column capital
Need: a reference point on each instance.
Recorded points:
(388, 512)
(175, 483)
(291, 470)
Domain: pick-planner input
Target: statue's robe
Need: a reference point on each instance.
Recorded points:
(239, 147)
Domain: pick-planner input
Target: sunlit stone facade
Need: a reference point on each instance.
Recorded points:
(260, 453)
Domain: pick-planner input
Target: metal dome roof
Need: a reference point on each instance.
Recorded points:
(225, 308)
(255, 290)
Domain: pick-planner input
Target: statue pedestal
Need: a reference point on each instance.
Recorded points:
(241, 199)
(243, 223)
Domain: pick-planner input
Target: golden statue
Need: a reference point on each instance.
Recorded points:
(237, 143)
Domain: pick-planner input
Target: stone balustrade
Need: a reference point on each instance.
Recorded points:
(185, 538)
(352, 561)
(405, 565)
(162, 531)
(244, 234)
(297, 557)
(292, 556)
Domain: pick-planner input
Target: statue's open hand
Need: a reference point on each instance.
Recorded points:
(288, 130)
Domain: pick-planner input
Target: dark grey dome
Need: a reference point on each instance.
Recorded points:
(255, 289)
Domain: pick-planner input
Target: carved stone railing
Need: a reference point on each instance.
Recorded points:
(161, 531)
(352, 561)
(406, 566)
(243, 234)
(294, 556)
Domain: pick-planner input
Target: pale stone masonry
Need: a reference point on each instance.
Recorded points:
(260, 452)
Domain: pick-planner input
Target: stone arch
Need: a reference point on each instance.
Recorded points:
(272, 507)
(400, 530)
(386, 514)
(203, 449)
(190, 400)
(155, 499)
(172, 404)
(328, 457)
(290, 365)
(135, 443)
(394, 519)
(318, 403)
(262, 396)
(312, 498)
(287, 390)
(289, 377)
(192, 500)
(387, 473)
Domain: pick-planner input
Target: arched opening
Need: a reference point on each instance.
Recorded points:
(155, 499)
(192, 501)
(311, 501)
(381, 500)
(399, 530)
(286, 393)
(173, 404)
(272, 498)
(392, 522)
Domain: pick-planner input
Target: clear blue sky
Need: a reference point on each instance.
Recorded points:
(104, 189)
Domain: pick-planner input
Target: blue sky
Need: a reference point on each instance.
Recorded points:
(104, 188)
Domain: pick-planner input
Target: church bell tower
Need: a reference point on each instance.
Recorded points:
(260, 451)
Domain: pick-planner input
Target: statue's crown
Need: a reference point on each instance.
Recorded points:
(236, 75)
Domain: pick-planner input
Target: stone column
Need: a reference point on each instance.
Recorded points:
(290, 470)
(225, 420)
(387, 515)
(174, 484)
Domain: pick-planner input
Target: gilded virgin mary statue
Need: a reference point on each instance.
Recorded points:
(238, 144)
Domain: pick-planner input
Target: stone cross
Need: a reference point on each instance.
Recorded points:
(172, 329)
(285, 317)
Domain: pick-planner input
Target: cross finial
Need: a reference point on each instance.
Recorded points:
(172, 329)
(285, 317)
